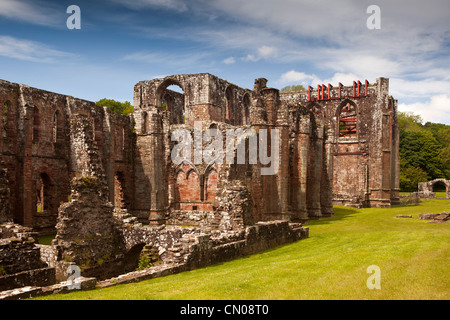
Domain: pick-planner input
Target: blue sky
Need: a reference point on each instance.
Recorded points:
(287, 41)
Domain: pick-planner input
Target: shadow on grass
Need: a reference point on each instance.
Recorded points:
(340, 213)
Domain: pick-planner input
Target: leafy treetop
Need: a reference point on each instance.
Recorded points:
(116, 106)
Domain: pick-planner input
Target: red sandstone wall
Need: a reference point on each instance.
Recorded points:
(37, 149)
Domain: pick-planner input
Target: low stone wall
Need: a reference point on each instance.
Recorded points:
(36, 277)
(191, 250)
(259, 237)
(17, 250)
(20, 259)
(427, 195)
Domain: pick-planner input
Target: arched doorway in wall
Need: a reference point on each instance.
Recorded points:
(229, 105)
(170, 97)
(440, 187)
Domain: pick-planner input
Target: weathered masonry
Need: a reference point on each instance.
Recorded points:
(110, 188)
(47, 139)
(426, 188)
(361, 137)
(337, 145)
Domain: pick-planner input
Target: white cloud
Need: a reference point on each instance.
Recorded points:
(408, 89)
(34, 13)
(331, 19)
(229, 60)
(30, 50)
(267, 52)
(436, 110)
(293, 76)
(251, 57)
(263, 52)
(296, 77)
(176, 5)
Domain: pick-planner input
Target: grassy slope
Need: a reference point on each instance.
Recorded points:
(413, 256)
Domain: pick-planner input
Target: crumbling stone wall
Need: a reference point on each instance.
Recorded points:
(185, 193)
(86, 231)
(20, 259)
(4, 195)
(361, 137)
(37, 150)
(108, 185)
(426, 188)
(17, 250)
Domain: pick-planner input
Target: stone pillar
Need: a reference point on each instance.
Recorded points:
(395, 157)
(326, 184)
(380, 153)
(315, 157)
(300, 152)
(28, 191)
(158, 179)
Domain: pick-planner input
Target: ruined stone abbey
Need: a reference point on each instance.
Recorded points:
(107, 184)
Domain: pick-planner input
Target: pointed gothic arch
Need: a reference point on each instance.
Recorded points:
(347, 119)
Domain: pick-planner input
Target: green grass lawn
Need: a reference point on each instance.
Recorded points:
(413, 257)
(441, 194)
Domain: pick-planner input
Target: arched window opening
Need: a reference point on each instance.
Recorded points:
(55, 126)
(211, 185)
(36, 125)
(228, 105)
(145, 123)
(187, 187)
(246, 103)
(44, 196)
(120, 140)
(348, 121)
(171, 98)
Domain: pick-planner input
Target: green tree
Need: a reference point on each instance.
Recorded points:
(116, 106)
(410, 178)
(445, 160)
(408, 121)
(420, 149)
(424, 150)
(297, 87)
